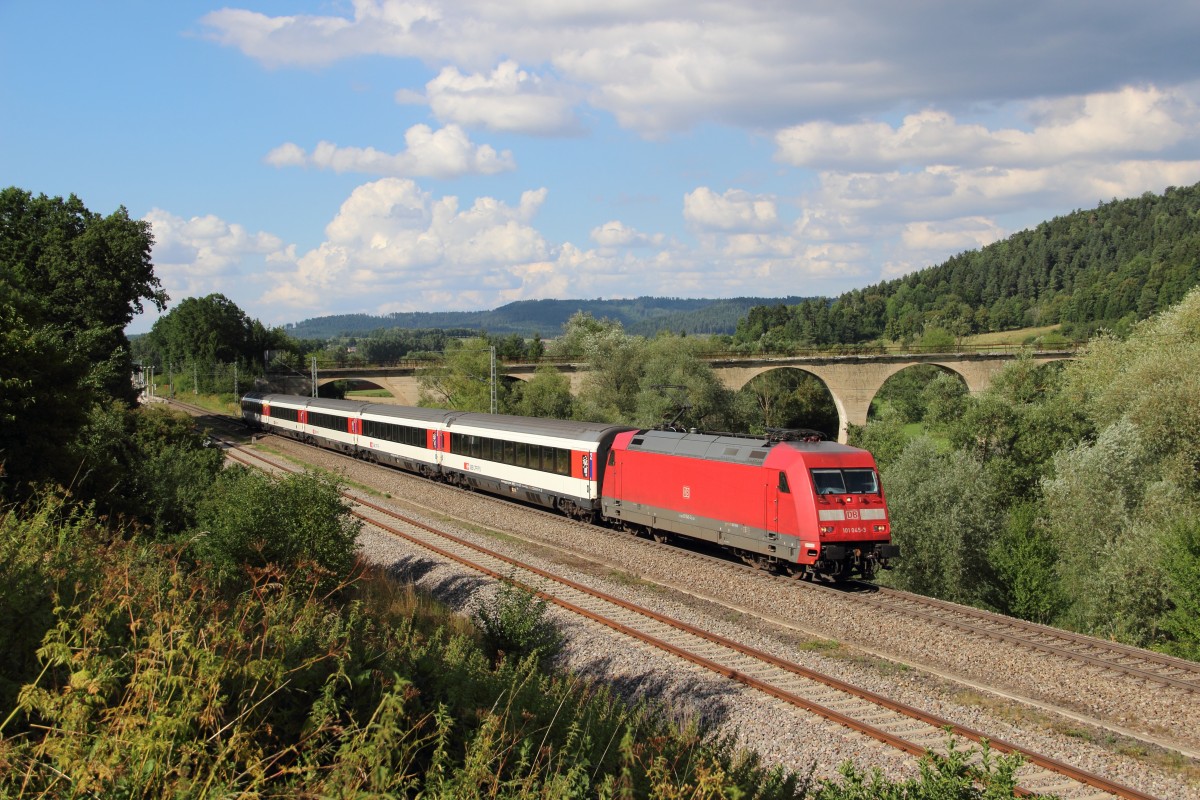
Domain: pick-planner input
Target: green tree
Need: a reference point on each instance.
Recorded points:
(944, 514)
(1104, 519)
(943, 399)
(677, 384)
(1181, 622)
(884, 437)
(1025, 560)
(546, 394)
(211, 330)
(614, 369)
(463, 380)
(70, 281)
(81, 274)
(787, 398)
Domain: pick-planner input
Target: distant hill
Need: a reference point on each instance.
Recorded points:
(643, 315)
(1102, 268)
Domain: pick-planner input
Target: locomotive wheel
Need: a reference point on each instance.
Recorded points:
(662, 537)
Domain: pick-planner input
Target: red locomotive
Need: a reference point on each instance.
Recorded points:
(791, 503)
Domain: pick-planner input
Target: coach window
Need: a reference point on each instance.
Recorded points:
(783, 483)
(562, 461)
(510, 455)
(521, 458)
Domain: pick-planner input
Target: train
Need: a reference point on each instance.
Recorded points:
(787, 501)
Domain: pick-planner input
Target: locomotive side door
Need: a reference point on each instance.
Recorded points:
(772, 504)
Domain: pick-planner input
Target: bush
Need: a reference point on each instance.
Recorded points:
(251, 521)
(514, 624)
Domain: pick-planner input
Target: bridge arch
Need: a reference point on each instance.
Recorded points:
(853, 381)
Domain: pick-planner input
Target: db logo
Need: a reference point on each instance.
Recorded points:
(687, 492)
(851, 513)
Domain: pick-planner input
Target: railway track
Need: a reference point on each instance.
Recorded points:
(899, 726)
(1111, 657)
(1104, 660)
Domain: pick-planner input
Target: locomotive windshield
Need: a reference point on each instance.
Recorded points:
(845, 481)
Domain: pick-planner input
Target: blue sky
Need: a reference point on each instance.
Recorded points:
(315, 158)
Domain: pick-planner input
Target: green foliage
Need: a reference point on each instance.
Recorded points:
(152, 682)
(463, 380)
(1026, 560)
(47, 547)
(971, 774)
(203, 340)
(69, 270)
(943, 399)
(1099, 509)
(1181, 622)
(250, 521)
(786, 398)
(904, 392)
(1147, 380)
(678, 385)
(147, 464)
(1018, 424)
(885, 438)
(40, 379)
(610, 388)
(547, 394)
(514, 625)
(944, 515)
(936, 340)
(70, 280)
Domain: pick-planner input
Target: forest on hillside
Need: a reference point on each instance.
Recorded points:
(1104, 268)
(643, 316)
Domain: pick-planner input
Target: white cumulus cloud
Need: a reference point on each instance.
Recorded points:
(735, 210)
(1128, 123)
(508, 99)
(444, 153)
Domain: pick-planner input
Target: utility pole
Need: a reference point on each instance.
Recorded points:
(314, 376)
(235, 383)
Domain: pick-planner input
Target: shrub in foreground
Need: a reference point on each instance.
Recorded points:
(250, 519)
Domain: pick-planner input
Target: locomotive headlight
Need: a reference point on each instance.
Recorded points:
(826, 529)
(880, 528)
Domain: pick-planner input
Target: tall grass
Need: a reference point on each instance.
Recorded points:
(142, 677)
(152, 681)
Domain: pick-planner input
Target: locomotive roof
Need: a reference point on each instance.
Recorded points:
(724, 447)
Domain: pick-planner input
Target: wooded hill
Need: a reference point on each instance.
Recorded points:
(643, 316)
(1103, 268)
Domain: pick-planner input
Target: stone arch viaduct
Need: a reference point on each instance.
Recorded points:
(852, 381)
